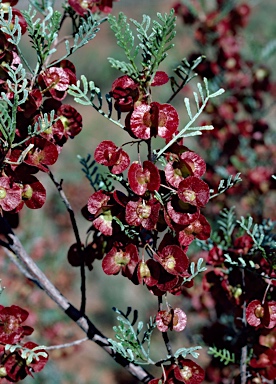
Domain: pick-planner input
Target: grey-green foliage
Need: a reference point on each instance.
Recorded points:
(86, 93)
(264, 239)
(184, 352)
(194, 272)
(130, 337)
(90, 169)
(134, 344)
(42, 32)
(87, 30)
(10, 27)
(125, 40)
(224, 185)
(42, 5)
(42, 124)
(27, 354)
(192, 9)
(227, 223)
(201, 99)
(255, 231)
(16, 84)
(1, 287)
(6, 127)
(268, 50)
(154, 40)
(262, 236)
(207, 6)
(227, 7)
(81, 91)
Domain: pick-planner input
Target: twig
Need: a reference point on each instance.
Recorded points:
(77, 236)
(267, 288)
(149, 149)
(179, 88)
(66, 345)
(165, 334)
(34, 273)
(243, 362)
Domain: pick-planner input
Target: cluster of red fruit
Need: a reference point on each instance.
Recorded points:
(83, 7)
(240, 142)
(243, 296)
(154, 200)
(27, 153)
(187, 372)
(15, 365)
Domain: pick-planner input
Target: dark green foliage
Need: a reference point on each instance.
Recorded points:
(91, 171)
(222, 354)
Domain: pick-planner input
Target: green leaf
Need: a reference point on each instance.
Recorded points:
(225, 356)
(256, 232)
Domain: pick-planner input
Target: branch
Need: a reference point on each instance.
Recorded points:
(165, 334)
(32, 272)
(69, 208)
(243, 362)
(61, 346)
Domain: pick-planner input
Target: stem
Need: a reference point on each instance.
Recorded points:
(267, 288)
(180, 87)
(165, 334)
(169, 188)
(98, 109)
(34, 75)
(34, 273)
(149, 149)
(57, 42)
(24, 59)
(66, 345)
(167, 343)
(185, 80)
(77, 237)
(133, 142)
(243, 363)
